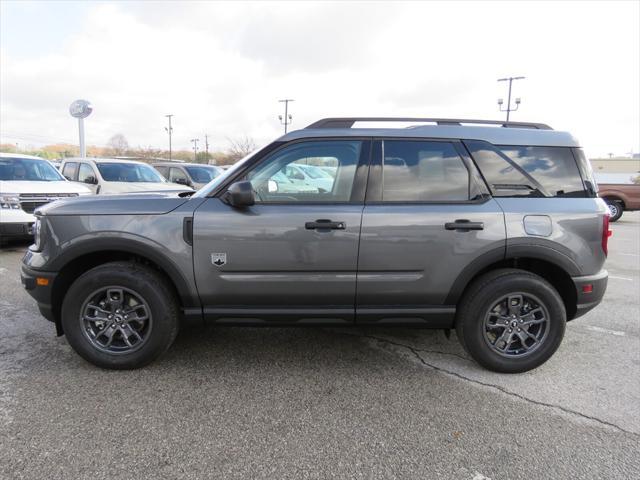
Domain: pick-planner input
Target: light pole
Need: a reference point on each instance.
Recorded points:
(286, 121)
(195, 148)
(81, 109)
(509, 109)
(169, 130)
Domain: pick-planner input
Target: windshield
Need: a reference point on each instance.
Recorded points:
(203, 174)
(129, 172)
(26, 169)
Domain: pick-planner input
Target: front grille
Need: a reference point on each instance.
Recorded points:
(30, 201)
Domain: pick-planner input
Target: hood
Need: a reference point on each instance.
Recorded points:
(126, 187)
(130, 204)
(26, 186)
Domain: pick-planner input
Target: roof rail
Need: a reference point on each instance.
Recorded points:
(347, 122)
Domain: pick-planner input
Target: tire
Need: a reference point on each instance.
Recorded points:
(615, 210)
(136, 292)
(477, 320)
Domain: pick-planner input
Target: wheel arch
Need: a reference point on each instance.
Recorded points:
(551, 266)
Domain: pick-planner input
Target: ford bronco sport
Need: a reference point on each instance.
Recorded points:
(491, 228)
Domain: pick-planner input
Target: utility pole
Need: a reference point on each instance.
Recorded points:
(500, 101)
(206, 147)
(169, 131)
(287, 119)
(195, 148)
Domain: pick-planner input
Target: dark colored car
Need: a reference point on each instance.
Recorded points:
(494, 230)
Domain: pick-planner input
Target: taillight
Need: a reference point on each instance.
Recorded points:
(606, 233)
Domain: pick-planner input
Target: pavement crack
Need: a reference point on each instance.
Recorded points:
(416, 352)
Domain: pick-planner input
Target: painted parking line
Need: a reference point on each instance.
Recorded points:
(617, 333)
(629, 254)
(621, 278)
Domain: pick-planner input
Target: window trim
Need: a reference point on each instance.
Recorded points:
(376, 175)
(359, 178)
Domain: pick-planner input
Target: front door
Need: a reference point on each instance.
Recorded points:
(427, 217)
(291, 257)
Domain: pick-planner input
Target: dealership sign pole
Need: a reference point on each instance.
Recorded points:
(81, 109)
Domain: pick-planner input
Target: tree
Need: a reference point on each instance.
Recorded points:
(240, 147)
(118, 143)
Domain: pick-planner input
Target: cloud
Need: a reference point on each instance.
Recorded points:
(220, 68)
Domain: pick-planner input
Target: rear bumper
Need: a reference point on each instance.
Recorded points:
(590, 291)
(40, 292)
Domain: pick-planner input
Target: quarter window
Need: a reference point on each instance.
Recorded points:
(418, 171)
(285, 177)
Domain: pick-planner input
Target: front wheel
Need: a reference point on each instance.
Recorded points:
(615, 210)
(511, 321)
(120, 315)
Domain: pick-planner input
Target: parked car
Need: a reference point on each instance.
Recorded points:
(621, 191)
(495, 230)
(309, 175)
(195, 175)
(27, 183)
(112, 176)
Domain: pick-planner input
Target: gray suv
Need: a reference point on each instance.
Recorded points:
(491, 228)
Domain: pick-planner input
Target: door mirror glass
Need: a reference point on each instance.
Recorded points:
(240, 194)
(181, 181)
(91, 180)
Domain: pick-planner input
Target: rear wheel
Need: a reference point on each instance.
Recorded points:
(511, 321)
(615, 210)
(120, 315)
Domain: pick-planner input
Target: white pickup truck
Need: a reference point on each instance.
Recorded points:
(27, 183)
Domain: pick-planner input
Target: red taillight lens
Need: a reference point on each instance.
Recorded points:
(606, 233)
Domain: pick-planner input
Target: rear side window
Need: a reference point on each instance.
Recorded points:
(514, 171)
(417, 171)
(69, 170)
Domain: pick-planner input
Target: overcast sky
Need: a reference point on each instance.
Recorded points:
(220, 68)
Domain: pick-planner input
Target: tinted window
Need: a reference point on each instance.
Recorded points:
(176, 175)
(203, 174)
(69, 170)
(163, 170)
(85, 172)
(554, 168)
(423, 172)
(280, 177)
(128, 172)
(26, 169)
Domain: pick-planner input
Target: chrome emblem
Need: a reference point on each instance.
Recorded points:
(218, 259)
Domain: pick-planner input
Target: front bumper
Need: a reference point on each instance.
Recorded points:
(590, 291)
(34, 283)
(16, 230)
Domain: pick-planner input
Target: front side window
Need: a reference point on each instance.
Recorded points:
(128, 172)
(282, 178)
(26, 169)
(85, 172)
(176, 175)
(422, 171)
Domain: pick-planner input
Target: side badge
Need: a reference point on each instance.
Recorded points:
(218, 259)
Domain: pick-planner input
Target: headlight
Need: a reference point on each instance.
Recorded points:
(10, 201)
(37, 235)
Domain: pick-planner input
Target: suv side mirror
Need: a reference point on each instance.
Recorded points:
(181, 181)
(91, 180)
(240, 194)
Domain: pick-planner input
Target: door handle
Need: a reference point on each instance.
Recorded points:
(464, 225)
(324, 224)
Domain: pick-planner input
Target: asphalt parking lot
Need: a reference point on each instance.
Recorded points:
(325, 403)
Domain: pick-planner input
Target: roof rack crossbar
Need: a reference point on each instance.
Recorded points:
(347, 122)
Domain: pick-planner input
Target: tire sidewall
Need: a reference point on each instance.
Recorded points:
(164, 321)
(486, 298)
(619, 210)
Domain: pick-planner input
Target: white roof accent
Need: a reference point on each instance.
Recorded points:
(20, 155)
(102, 160)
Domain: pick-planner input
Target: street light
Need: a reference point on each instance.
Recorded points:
(195, 148)
(287, 119)
(500, 101)
(169, 130)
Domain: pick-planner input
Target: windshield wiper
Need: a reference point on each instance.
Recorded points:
(518, 186)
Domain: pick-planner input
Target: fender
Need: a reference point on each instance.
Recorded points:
(532, 248)
(132, 244)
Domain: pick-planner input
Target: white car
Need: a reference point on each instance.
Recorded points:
(309, 175)
(27, 183)
(112, 176)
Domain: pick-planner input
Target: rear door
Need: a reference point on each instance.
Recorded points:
(428, 217)
(291, 257)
